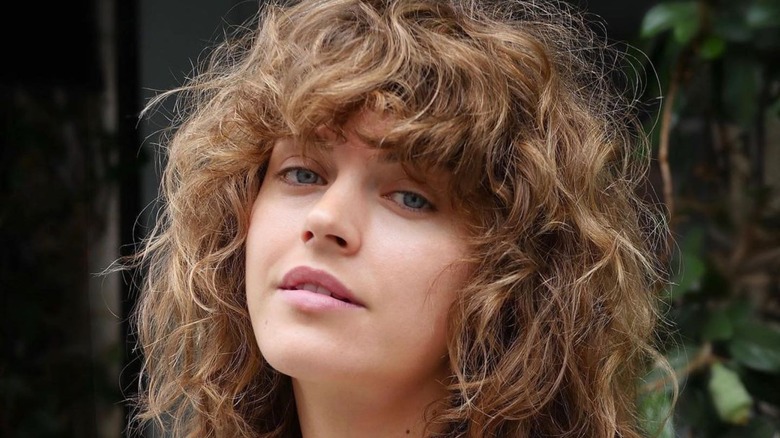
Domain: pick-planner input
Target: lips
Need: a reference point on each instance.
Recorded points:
(319, 282)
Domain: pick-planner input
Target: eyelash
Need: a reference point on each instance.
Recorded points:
(428, 206)
(286, 175)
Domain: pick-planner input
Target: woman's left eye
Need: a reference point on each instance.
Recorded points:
(411, 201)
(301, 176)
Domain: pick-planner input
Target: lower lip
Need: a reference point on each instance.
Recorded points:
(313, 302)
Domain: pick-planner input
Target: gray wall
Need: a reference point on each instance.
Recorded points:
(172, 36)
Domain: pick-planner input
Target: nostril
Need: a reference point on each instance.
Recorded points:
(340, 241)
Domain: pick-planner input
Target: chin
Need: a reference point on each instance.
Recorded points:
(309, 361)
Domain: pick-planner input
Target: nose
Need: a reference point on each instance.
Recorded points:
(333, 223)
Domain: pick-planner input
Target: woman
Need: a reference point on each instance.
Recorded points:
(402, 218)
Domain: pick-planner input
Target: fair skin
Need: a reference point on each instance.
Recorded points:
(347, 221)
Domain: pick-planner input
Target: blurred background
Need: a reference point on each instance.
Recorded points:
(79, 173)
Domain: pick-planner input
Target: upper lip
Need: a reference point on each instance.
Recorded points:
(303, 275)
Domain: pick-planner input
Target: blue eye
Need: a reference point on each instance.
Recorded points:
(301, 176)
(411, 201)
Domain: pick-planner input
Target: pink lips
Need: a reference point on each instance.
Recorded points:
(314, 289)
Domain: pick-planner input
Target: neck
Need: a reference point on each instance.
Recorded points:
(347, 411)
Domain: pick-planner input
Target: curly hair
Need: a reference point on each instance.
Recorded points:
(516, 101)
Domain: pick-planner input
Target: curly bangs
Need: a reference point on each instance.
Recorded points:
(514, 100)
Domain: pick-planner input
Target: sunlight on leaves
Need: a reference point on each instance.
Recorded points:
(729, 395)
(682, 18)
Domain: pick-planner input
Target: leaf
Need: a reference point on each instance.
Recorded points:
(718, 326)
(756, 346)
(712, 47)
(689, 278)
(658, 19)
(681, 16)
(686, 29)
(739, 311)
(762, 15)
(731, 399)
(656, 410)
(692, 267)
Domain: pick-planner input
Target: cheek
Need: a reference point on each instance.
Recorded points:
(443, 287)
(445, 273)
(417, 331)
(256, 241)
(427, 260)
(425, 276)
(265, 240)
(271, 228)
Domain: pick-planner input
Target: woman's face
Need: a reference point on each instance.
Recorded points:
(351, 266)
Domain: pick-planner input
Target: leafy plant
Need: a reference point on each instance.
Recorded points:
(717, 141)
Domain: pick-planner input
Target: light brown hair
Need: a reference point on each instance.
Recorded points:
(514, 99)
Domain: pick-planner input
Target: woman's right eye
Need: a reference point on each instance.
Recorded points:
(300, 176)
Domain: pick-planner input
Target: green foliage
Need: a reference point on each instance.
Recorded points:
(681, 17)
(719, 68)
(656, 408)
(729, 395)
